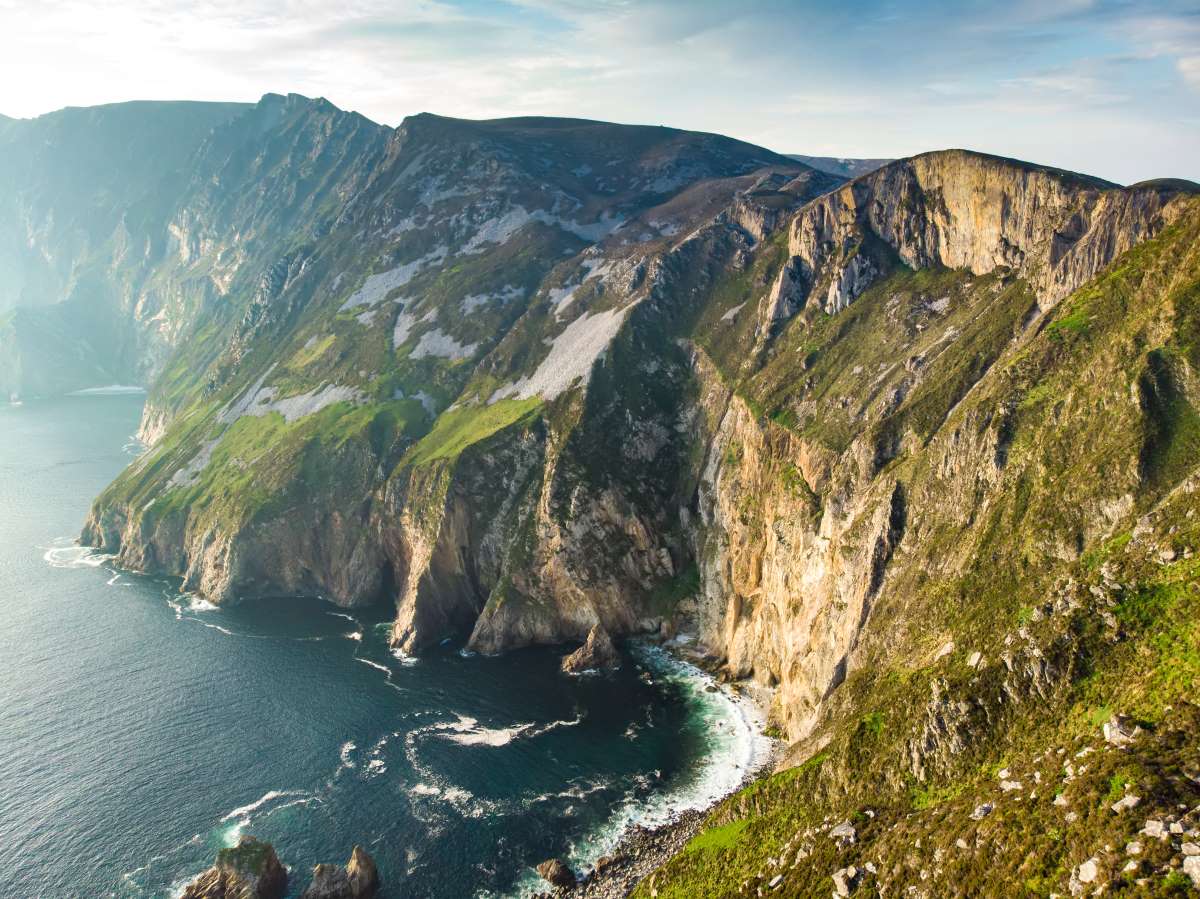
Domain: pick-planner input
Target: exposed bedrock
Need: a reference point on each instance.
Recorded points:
(791, 410)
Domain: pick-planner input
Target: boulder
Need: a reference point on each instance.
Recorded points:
(845, 880)
(358, 879)
(1120, 731)
(844, 834)
(364, 876)
(249, 870)
(555, 872)
(1191, 867)
(597, 653)
(981, 811)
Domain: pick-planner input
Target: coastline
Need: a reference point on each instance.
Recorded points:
(641, 847)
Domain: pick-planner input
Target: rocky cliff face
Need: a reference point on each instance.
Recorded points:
(85, 196)
(531, 378)
(966, 211)
(574, 469)
(439, 336)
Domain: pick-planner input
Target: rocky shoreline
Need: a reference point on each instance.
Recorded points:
(642, 850)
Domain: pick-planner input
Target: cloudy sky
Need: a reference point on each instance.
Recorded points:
(1110, 87)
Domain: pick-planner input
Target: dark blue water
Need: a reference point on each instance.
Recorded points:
(141, 730)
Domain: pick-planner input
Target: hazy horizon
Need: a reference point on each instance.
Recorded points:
(1098, 86)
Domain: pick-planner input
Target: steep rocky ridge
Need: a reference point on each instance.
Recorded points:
(1038, 574)
(473, 273)
(872, 444)
(85, 195)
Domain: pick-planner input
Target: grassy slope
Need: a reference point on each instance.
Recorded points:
(1101, 397)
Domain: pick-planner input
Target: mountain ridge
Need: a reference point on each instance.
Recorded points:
(916, 451)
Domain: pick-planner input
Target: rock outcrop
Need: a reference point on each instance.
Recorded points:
(969, 211)
(249, 870)
(596, 654)
(556, 873)
(357, 879)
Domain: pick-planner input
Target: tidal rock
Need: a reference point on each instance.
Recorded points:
(249, 870)
(597, 653)
(359, 879)
(555, 872)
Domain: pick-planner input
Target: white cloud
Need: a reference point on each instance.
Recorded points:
(1189, 68)
(798, 76)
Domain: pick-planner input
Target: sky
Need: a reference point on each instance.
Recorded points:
(1108, 87)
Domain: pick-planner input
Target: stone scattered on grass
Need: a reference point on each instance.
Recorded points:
(1120, 731)
(844, 834)
(845, 880)
(982, 811)
(1126, 803)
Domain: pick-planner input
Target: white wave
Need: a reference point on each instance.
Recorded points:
(467, 732)
(239, 819)
(343, 615)
(356, 636)
(424, 789)
(244, 810)
(346, 751)
(458, 796)
(76, 557)
(199, 604)
(404, 658)
(376, 767)
(384, 668)
(737, 747)
(108, 390)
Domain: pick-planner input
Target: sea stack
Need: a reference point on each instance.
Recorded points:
(597, 653)
(358, 879)
(249, 870)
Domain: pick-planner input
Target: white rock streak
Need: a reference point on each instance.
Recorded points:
(571, 356)
(379, 285)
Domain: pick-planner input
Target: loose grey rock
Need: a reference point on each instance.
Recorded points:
(1120, 731)
(1126, 803)
(844, 834)
(1191, 867)
(845, 880)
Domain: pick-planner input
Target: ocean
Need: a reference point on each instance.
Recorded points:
(141, 728)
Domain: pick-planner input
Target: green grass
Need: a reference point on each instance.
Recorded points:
(457, 429)
(717, 838)
(249, 856)
(668, 594)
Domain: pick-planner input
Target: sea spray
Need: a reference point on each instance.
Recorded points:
(736, 749)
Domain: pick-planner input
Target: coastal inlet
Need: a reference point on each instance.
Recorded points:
(142, 729)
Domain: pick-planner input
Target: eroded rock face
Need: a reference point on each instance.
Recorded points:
(555, 872)
(650, 488)
(358, 879)
(969, 211)
(597, 654)
(250, 870)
